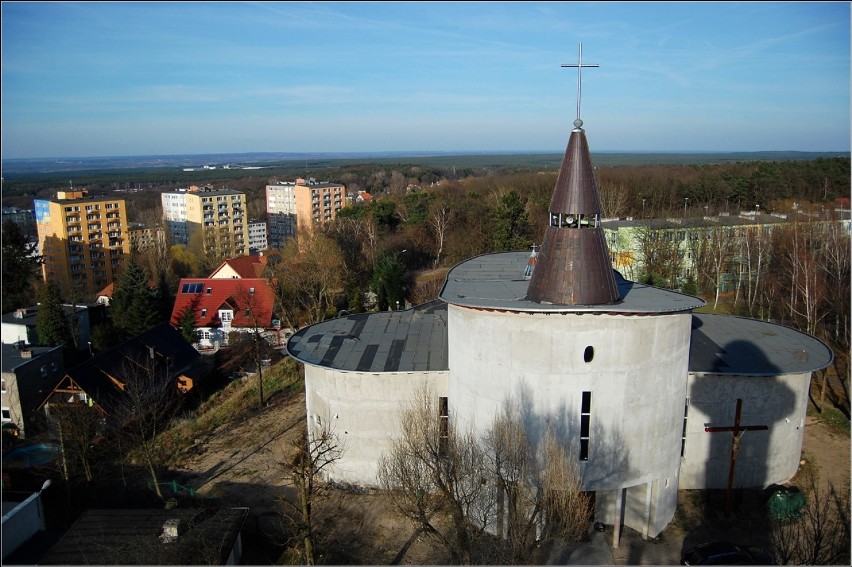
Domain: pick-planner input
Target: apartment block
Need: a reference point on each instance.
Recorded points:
(83, 240)
(213, 220)
(258, 240)
(280, 213)
(302, 205)
(143, 237)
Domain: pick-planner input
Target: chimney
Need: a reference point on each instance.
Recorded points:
(26, 353)
(172, 529)
(19, 313)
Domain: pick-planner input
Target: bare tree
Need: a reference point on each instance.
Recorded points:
(314, 453)
(717, 250)
(798, 249)
(79, 425)
(754, 258)
(147, 401)
(661, 255)
(835, 263)
(819, 535)
(307, 278)
(432, 472)
(540, 492)
(439, 222)
(614, 199)
(248, 302)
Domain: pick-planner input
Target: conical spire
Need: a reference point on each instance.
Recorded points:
(573, 265)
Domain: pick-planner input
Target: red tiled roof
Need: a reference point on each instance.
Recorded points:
(251, 266)
(110, 289)
(211, 294)
(107, 291)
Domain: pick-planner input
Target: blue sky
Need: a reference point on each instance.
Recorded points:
(114, 79)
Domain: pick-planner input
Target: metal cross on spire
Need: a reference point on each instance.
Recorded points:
(579, 65)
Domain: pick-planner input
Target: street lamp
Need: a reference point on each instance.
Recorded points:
(685, 204)
(643, 208)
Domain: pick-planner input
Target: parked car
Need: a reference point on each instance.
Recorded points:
(725, 553)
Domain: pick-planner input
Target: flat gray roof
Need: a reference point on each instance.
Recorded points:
(495, 281)
(389, 341)
(12, 356)
(415, 340)
(722, 344)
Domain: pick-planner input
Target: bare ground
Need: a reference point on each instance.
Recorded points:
(241, 465)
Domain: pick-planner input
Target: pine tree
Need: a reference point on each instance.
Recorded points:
(20, 266)
(134, 308)
(390, 281)
(186, 323)
(51, 323)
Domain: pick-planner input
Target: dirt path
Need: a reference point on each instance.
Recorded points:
(830, 453)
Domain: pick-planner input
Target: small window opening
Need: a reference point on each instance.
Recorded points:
(585, 425)
(683, 434)
(589, 354)
(443, 425)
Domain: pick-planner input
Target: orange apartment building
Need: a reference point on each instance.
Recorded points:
(301, 205)
(83, 240)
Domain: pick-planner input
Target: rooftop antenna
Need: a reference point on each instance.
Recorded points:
(579, 65)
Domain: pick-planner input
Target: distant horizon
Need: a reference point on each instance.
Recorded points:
(417, 153)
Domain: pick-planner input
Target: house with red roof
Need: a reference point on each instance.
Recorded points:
(221, 306)
(251, 266)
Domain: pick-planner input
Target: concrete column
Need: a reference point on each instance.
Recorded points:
(619, 512)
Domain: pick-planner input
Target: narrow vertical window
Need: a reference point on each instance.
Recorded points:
(683, 434)
(443, 426)
(585, 423)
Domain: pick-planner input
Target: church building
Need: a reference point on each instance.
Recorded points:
(646, 393)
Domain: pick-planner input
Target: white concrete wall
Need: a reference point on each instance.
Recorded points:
(637, 379)
(21, 523)
(362, 409)
(765, 457)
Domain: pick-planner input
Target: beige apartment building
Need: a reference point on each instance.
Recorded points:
(212, 220)
(301, 205)
(83, 240)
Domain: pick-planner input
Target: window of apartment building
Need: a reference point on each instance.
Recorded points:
(204, 312)
(7, 414)
(209, 290)
(683, 434)
(585, 424)
(226, 316)
(3, 385)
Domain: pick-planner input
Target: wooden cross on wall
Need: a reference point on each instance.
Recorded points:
(736, 430)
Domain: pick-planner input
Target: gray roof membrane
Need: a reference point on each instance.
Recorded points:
(495, 281)
(722, 344)
(389, 341)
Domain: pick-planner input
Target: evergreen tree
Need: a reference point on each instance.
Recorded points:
(186, 323)
(134, 307)
(511, 224)
(20, 266)
(390, 281)
(51, 323)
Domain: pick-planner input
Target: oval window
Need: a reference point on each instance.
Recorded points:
(589, 354)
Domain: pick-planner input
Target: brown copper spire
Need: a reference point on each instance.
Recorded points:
(573, 266)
